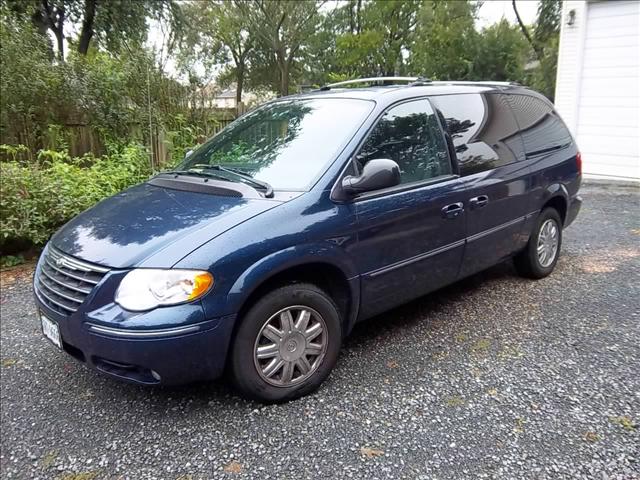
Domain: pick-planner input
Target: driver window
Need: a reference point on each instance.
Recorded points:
(410, 135)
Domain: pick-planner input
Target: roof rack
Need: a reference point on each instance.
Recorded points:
(415, 82)
(471, 82)
(410, 80)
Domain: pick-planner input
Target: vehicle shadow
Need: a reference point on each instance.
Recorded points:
(426, 308)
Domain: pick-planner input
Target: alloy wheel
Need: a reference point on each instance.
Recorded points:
(290, 346)
(548, 240)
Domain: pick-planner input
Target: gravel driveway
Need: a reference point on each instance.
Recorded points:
(494, 377)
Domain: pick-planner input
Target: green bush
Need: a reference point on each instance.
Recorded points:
(36, 199)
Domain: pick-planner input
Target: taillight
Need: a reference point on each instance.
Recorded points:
(579, 162)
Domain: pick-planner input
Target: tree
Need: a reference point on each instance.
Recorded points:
(113, 23)
(547, 35)
(502, 53)
(544, 43)
(525, 31)
(283, 28)
(445, 43)
(224, 37)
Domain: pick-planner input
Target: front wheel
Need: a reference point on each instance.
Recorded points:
(287, 344)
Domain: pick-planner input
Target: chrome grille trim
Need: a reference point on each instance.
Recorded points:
(67, 309)
(85, 291)
(63, 282)
(70, 275)
(75, 264)
(61, 292)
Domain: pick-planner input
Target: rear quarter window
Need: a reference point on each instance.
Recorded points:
(541, 128)
(483, 130)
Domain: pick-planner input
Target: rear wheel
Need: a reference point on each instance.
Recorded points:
(287, 344)
(540, 256)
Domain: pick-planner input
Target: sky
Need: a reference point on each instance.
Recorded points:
(493, 10)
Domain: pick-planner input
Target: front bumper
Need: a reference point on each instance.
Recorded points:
(169, 356)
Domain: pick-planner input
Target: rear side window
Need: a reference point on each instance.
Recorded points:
(410, 135)
(541, 128)
(483, 130)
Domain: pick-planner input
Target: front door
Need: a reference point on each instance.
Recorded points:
(410, 237)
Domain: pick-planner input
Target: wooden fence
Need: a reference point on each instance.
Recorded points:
(82, 138)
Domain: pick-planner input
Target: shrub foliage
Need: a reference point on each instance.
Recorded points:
(37, 198)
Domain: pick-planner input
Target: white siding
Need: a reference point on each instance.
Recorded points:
(598, 85)
(570, 62)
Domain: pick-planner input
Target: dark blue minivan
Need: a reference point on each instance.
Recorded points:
(259, 253)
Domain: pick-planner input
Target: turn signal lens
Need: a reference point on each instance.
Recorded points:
(201, 284)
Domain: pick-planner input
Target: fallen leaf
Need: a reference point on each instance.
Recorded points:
(48, 460)
(591, 437)
(460, 337)
(624, 421)
(9, 362)
(392, 364)
(90, 475)
(371, 452)
(454, 401)
(233, 467)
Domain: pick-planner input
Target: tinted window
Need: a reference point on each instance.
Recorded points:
(483, 130)
(541, 127)
(410, 135)
(287, 143)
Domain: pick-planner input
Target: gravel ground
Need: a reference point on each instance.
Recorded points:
(494, 377)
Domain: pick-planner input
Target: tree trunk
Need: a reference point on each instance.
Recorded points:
(284, 79)
(239, 83)
(59, 43)
(54, 18)
(87, 26)
(352, 19)
(283, 66)
(525, 32)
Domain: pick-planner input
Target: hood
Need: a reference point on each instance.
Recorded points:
(152, 225)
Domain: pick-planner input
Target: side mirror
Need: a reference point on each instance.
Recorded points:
(376, 174)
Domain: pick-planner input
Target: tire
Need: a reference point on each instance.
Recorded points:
(528, 263)
(282, 309)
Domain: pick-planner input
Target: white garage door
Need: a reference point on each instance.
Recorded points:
(608, 122)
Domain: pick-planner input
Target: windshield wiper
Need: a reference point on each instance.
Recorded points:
(195, 173)
(268, 189)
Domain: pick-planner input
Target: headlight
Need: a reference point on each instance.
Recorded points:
(144, 289)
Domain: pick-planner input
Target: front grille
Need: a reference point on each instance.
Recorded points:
(63, 282)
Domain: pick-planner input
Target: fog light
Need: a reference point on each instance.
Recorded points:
(155, 375)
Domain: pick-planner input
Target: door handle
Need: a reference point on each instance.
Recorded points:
(479, 201)
(452, 210)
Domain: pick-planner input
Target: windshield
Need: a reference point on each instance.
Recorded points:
(286, 144)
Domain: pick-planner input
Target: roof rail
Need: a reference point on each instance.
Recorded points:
(415, 82)
(411, 80)
(471, 82)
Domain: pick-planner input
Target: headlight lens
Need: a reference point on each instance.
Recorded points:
(144, 289)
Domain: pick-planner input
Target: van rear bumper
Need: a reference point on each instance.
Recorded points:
(573, 210)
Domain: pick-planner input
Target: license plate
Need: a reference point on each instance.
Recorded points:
(51, 331)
